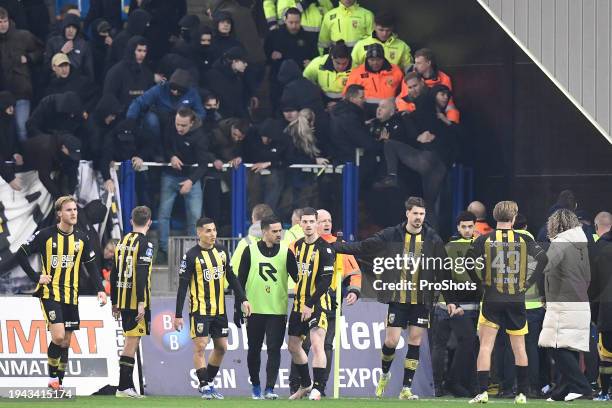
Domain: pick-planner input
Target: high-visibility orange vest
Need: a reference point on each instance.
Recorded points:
(380, 85)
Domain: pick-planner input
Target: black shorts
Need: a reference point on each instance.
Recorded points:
(205, 326)
(56, 312)
(132, 328)
(300, 329)
(404, 315)
(604, 346)
(511, 316)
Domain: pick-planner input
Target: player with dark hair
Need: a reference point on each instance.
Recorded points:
(131, 294)
(62, 249)
(315, 261)
(203, 271)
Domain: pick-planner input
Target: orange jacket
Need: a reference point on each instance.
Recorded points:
(349, 266)
(481, 228)
(380, 85)
(452, 113)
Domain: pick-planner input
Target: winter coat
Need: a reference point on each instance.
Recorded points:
(137, 24)
(231, 89)
(17, 76)
(77, 83)
(600, 291)
(191, 148)
(59, 113)
(159, 98)
(298, 89)
(296, 47)
(127, 80)
(81, 56)
(349, 132)
(109, 10)
(567, 276)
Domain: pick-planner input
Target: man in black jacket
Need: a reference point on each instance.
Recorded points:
(130, 78)
(10, 151)
(65, 79)
(410, 259)
(137, 24)
(59, 113)
(185, 144)
(73, 44)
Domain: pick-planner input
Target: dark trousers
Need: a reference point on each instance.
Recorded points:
(535, 317)
(272, 327)
(571, 379)
(294, 376)
(427, 163)
(462, 371)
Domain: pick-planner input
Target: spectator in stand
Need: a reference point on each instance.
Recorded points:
(349, 22)
(603, 223)
(201, 52)
(185, 144)
(227, 140)
(480, 211)
(18, 50)
(330, 72)
(446, 112)
(348, 126)
(102, 122)
(380, 79)
(430, 150)
(15, 9)
(169, 63)
(189, 26)
(37, 15)
(312, 12)
(72, 43)
(59, 113)
(396, 51)
(109, 10)
(211, 107)
(49, 152)
(101, 41)
(158, 105)
(388, 123)
(268, 150)
(223, 38)
(108, 262)
(137, 25)
(67, 9)
(130, 78)
(289, 42)
(11, 151)
(303, 150)
(226, 79)
(64, 80)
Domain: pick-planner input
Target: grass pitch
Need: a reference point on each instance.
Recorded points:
(180, 402)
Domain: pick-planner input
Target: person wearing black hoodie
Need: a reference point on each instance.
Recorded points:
(268, 147)
(101, 41)
(71, 43)
(57, 114)
(226, 79)
(131, 77)
(10, 151)
(103, 122)
(189, 27)
(223, 37)
(185, 144)
(109, 10)
(200, 51)
(137, 24)
(65, 79)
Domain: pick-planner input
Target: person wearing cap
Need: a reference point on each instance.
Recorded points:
(396, 51)
(71, 43)
(64, 79)
(380, 79)
(312, 12)
(131, 77)
(289, 42)
(157, 105)
(226, 79)
(330, 72)
(18, 50)
(349, 22)
(11, 150)
(49, 152)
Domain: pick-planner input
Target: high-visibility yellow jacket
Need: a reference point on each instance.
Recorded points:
(396, 51)
(312, 17)
(321, 72)
(345, 23)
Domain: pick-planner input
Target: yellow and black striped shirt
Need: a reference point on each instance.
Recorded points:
(505, 254)
(315, 271)
(413, 251)
(131, 274)
(62, 255)
(203, 272)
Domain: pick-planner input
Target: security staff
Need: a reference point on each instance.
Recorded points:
(396, 51)
(264, 268)
(380, 79)
(330, 72)
(349, 22)
(312, 12)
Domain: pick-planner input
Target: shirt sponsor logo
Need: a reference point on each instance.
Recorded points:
(64, 261)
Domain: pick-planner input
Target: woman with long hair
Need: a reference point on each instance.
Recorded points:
(566, 326)
(303, 150)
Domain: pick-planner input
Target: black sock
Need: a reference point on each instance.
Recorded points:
(211, 372)
(53, 359)
(483, 380)
(61, 368)
(387, 358)
(201, 373)
(410, 364)
(126, 369)
(522, 379)
(318, 374)
(605, 373)
(304, 374)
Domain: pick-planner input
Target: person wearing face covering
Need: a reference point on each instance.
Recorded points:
(189, 26)
(200, 51)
